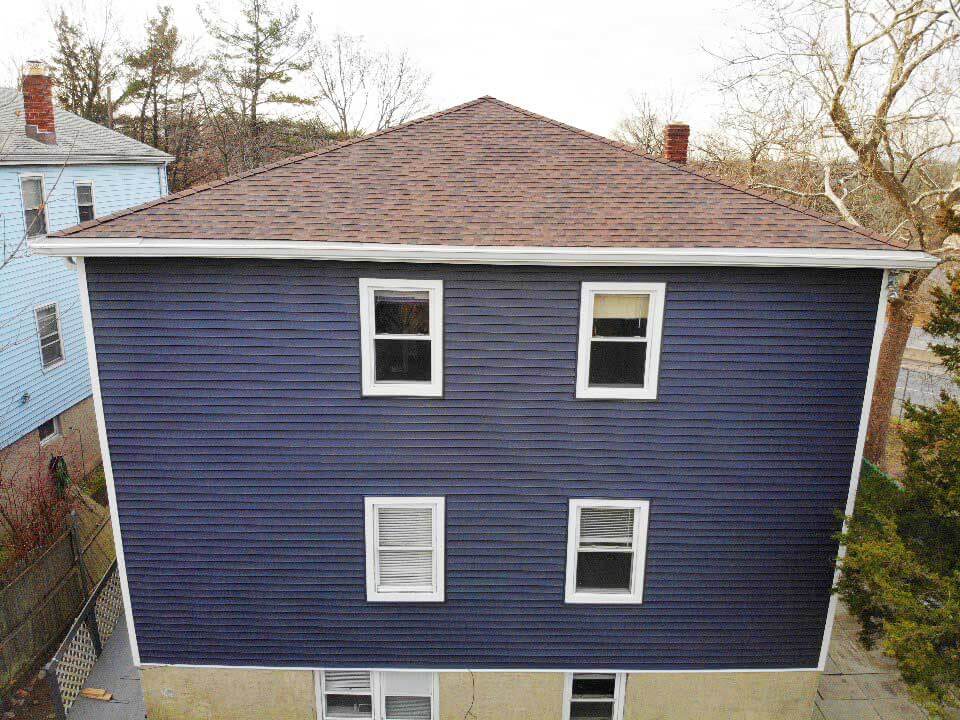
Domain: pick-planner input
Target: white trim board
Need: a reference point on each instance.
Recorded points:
(74, 245)
(105, 455)
(879, 327)
(313, 668)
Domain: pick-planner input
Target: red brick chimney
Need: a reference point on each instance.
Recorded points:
(675, 139)
(38, 103)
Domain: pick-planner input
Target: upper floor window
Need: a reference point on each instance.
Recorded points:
(34, 207)
(594, 696)
(85, 209)
(619, 348)
(401, 335)
(48, 329)
(606, 551)
(404, 538)
(360, 694)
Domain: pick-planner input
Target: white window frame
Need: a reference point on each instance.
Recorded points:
(370, 386)
(588, 291)
(434, 594)
(93, 197)
(57, 431)
(641, 518)
(63, 349)
(619, 692)
(43, 203)
(378, 699)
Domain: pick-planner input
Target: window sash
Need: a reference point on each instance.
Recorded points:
(383, 689)
(388, 559)
(614, 701)
(49, 335)
(34, 206)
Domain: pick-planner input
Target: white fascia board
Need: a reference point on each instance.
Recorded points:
(480, 254)
(9, 159)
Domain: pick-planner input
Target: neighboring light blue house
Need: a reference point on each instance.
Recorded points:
(481, 416)
(56, 170)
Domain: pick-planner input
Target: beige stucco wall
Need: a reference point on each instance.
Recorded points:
(220, 694)
(501, 696)
(716, 696)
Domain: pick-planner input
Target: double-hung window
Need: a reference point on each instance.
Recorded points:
(401, 335)
(34, 207)
(619, 348)
(364, 695)
(85, 208)
(48, 329)
(606, 551)
(404, 538)
(594, 696)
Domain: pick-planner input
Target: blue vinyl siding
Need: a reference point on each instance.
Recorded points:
(29, 281)
(242, 451)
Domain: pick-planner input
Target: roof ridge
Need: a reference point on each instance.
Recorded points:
(264, 168)
(699, 173)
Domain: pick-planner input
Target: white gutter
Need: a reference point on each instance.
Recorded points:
(480, 254)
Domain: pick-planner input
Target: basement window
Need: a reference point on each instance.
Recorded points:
(50, 430)
(594, 696)
(359, 694)
(606, 551)
(619, 347)
(404, 539)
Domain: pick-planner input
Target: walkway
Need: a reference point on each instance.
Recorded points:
(115, 673)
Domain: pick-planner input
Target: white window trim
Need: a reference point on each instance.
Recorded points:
(43, 200)
(57, 431)
(63, 348)
(433, 388)
(378, 698)
(619, 692)
(370, 536)
(588, 291)
(641, 518)
(93, 197)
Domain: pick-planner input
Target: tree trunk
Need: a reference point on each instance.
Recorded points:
(900, 316)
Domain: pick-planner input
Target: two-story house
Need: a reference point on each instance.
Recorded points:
(56, 170)
(482, 416)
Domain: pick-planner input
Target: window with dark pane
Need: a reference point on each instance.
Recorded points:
(34, 213)
(48, 328)
(348, 694)
(618, 343)
(605, 551)
(593, 697)
(85, 201)
(402, 335)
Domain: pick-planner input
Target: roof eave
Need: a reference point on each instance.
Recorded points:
(73, 159)
(79, 246)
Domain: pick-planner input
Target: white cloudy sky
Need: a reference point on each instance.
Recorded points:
(580, 62)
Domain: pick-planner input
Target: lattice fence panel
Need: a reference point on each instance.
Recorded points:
(74, 666)
(108, 607)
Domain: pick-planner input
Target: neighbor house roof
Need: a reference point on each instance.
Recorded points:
(484, 175)
(78, 140)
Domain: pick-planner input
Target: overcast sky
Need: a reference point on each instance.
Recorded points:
(579, 62)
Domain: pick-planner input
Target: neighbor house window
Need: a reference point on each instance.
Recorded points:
(606, 549)
(34, 209)
(594, 696)
(85, 209)
(619, 348)
(48, 328)
(404, 537)
(401, 334)
(50, 430)
(357, 694)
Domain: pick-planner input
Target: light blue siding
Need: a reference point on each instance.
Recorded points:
(27, 282)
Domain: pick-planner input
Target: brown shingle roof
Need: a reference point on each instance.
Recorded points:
(483, 173)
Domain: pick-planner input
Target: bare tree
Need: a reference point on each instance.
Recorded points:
(878, 79)
(643, 127)
(360, 89)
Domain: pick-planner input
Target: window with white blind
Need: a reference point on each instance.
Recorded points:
(401, 337)
(363, 695)
(48, 329)
(619, 349)
(593, 696)
(606, 551)
(404, 538)
(85, 205)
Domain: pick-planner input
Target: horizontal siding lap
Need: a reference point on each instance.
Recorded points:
(242, 451)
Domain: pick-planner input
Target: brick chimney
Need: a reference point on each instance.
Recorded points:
(38, 103)
(675, 139)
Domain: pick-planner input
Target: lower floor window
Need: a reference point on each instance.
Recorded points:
(359, 694)
(594, 696)
(50, 430)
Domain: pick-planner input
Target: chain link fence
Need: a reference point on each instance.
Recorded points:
(921, 387)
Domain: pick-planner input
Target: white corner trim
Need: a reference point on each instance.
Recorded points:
(879, 328)
(105, 455)
(479, 254)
